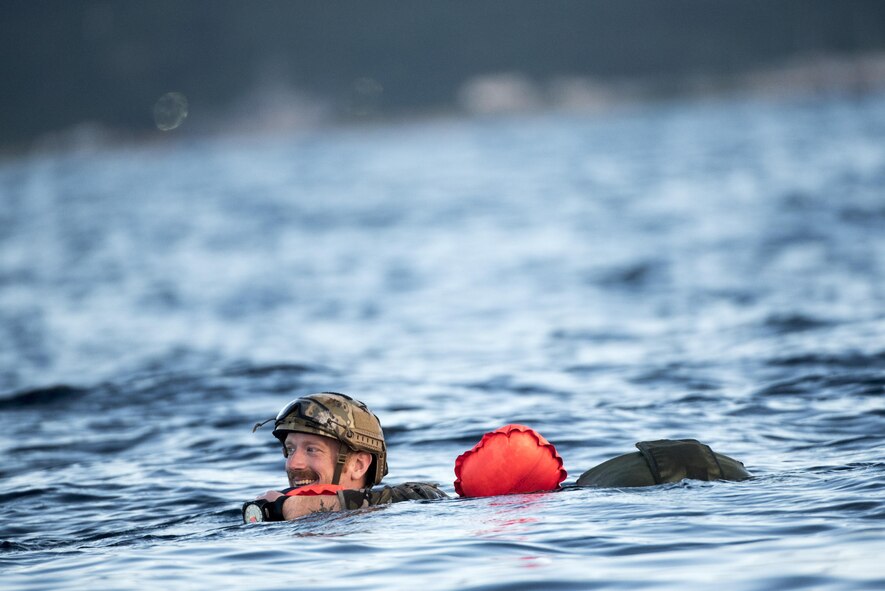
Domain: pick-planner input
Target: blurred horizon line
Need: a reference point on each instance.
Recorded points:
(274, 108)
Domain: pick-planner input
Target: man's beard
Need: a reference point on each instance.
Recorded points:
(302, 477)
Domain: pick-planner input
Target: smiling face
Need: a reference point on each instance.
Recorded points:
(310, 459)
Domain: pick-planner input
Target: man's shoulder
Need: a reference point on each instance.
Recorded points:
(384, 495)
(407, 491)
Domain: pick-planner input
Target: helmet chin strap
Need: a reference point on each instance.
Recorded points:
(343, 452)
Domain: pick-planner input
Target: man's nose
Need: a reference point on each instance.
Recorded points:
(295, 460)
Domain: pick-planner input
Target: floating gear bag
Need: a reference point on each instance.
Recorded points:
(671, 460)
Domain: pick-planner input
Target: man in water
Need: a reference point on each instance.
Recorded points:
(331, 439)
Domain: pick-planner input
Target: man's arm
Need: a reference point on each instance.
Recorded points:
(295, 507)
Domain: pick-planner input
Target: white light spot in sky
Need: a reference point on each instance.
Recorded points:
(170, 111)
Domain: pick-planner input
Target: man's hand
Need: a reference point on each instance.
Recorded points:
(264, 508)
(270, 496)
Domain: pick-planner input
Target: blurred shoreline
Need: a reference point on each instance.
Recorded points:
(276, 109)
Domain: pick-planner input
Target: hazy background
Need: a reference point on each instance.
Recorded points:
(96, 68)
(613, 221)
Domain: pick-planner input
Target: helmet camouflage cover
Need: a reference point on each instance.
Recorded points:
(340, 417)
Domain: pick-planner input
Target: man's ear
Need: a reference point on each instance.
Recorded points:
(360, 462)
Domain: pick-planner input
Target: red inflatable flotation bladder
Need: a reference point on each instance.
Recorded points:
(512, 459)
(313, 490)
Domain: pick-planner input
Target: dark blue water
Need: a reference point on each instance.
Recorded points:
(714, 271)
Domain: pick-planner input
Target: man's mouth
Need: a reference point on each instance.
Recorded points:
(301, 478)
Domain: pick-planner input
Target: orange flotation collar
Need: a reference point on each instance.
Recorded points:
(314, 490)
(511, 459)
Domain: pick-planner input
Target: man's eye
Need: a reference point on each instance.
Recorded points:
(312, 449)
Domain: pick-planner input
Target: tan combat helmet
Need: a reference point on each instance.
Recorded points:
(340, 417)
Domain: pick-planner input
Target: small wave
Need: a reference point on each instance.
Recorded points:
(587, 368)
(42, 397)
(844, 443)
(18, 494)
(755, 409)
(862, 216)
(583, 334)
(790, 323)
(506, 383)
(633, 549)
(246, 370)
(817, 383)
(677, 375)
(552, 584)
(697, 398)
(792, 386)
(803, 582)
(633, 276)
(9, 546)
(849, 507)
(849, 360)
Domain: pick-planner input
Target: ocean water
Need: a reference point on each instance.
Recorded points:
(706, 270)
